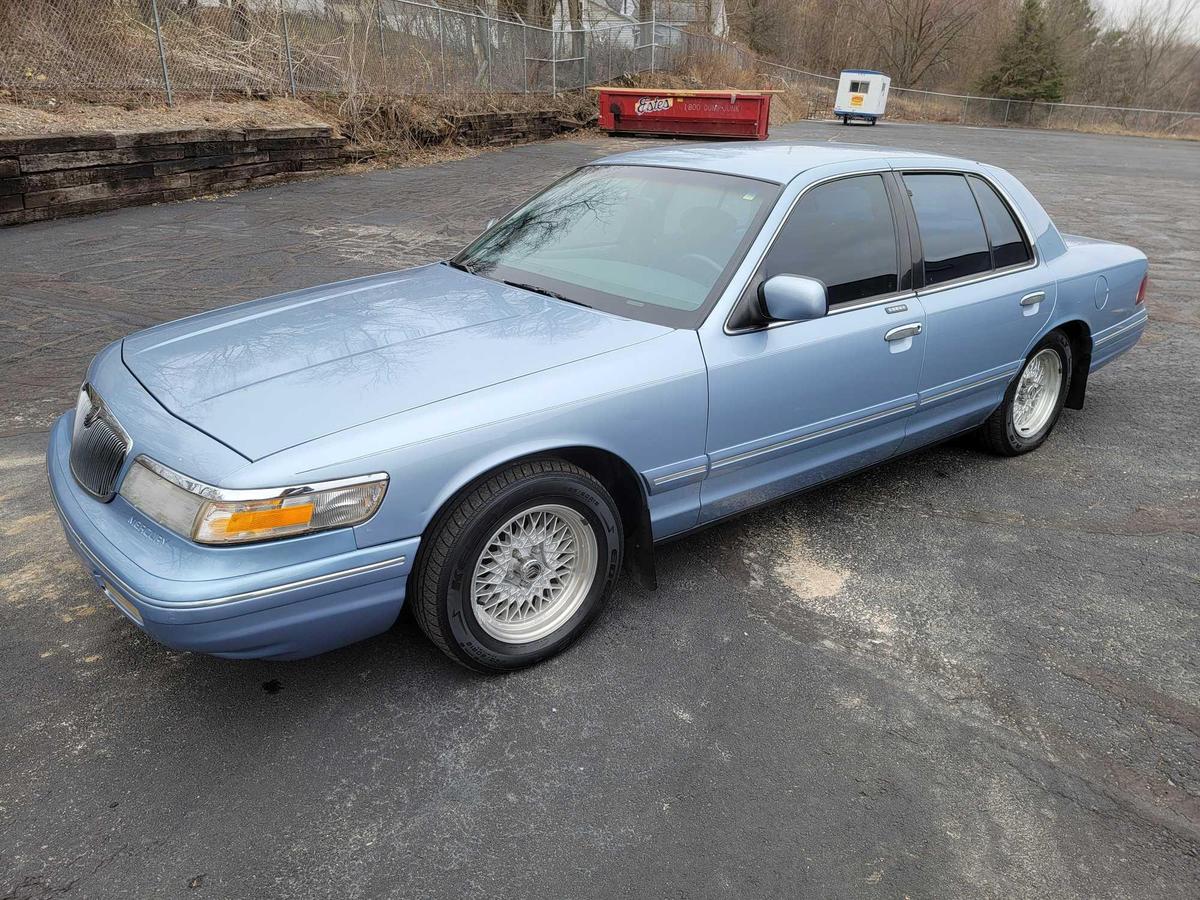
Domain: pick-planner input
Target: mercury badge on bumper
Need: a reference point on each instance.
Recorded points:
(657, 341)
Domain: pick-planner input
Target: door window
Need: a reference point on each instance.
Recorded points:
(954, 242)
(859, 87)
(1008, 243)
(842, 233)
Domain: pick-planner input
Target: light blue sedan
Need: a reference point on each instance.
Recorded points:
(657, 341)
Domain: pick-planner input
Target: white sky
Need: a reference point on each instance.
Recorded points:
(1121, 9)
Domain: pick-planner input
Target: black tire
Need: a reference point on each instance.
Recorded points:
(873, 121)
(998, 434)
(845, 120)
(440, 590)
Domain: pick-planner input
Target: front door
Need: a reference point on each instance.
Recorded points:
(985, 296)
(798, 403)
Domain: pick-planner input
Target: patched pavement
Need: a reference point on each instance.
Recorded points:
(955, 675)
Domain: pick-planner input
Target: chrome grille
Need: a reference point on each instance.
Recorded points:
(98, 446)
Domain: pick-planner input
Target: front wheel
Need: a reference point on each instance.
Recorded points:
(1033, 401)
(518, 567)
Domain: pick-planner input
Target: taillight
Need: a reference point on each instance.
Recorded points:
(1141, 297)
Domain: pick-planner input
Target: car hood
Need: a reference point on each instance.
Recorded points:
(271, 374)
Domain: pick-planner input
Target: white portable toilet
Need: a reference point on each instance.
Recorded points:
(861, 94)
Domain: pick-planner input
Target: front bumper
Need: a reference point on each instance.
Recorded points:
(201, 599)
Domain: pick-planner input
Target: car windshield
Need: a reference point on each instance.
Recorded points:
(649, 243)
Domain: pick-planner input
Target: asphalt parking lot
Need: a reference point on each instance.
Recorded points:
(955, 675)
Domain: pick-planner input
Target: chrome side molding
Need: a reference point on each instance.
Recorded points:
(811, 436)
(968, 387)
(676, 476)
(1129, 326)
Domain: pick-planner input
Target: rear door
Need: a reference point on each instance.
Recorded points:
(986, 298)
(802, 402)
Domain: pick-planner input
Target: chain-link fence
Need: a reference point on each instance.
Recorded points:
(814, 95)
(969, 110)
(112, 49)
(105, 48)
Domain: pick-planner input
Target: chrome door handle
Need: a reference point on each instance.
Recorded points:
(1035, 297)
(900, 332)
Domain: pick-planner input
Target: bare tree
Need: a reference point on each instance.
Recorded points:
(1162, 52)
(578, 37)
(1073, 27)
(911, 37)
(646, 16)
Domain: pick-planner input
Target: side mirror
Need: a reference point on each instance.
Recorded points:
(790, 298)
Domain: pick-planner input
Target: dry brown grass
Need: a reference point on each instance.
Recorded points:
(378, 124)
(391, 126)
(78, 116)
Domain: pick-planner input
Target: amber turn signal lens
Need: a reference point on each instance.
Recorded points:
(267, 519)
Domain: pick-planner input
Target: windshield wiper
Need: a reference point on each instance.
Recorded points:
(545, 292)
(533, 288)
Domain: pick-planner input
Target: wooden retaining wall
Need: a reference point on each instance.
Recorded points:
(498, 128)
(47, 176)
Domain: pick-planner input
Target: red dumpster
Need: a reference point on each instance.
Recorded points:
(729, 112)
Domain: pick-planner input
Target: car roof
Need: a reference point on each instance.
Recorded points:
(778, 161)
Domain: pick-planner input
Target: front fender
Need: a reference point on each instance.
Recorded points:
(646, 404)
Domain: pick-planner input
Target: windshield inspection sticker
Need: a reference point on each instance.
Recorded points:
(652, 104)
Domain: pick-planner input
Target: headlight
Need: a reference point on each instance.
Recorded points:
(213, 515)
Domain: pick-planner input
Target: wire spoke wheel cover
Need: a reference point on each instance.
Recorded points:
(534, 573)
(1037, 394)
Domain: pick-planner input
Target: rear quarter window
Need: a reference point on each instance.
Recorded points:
(1008, 243)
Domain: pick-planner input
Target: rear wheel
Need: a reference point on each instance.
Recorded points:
(517, 568)
(845, 120)
(1033, 401)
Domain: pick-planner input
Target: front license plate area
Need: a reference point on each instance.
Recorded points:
(121, 602)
